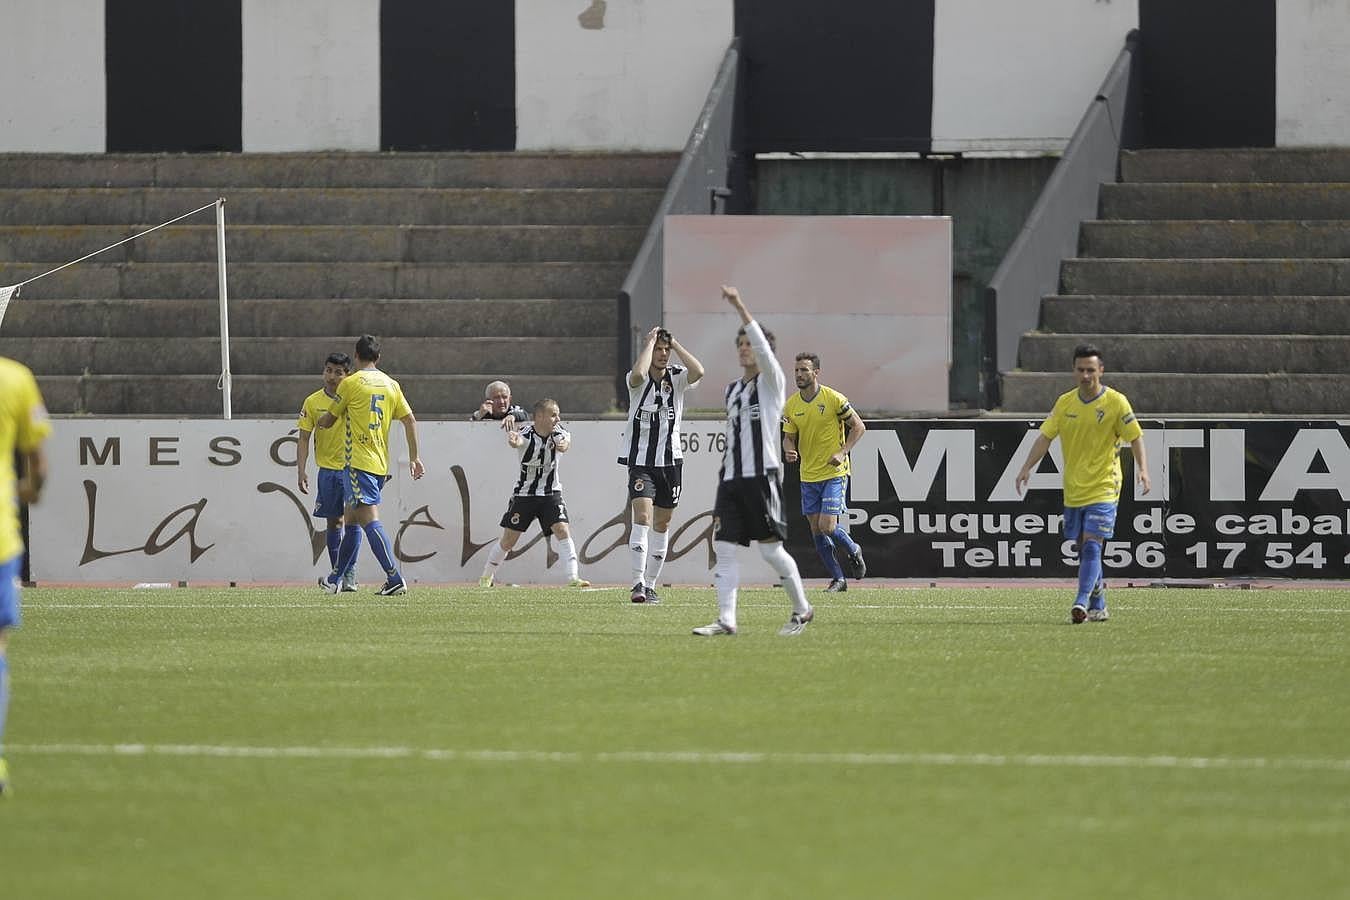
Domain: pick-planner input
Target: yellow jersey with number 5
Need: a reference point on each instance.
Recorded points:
(23, 426)
(368, 401)
(1090, 435)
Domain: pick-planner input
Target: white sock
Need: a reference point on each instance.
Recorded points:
(568, 551)
(656, 557)
(786, 567)
(494, 560)
(637, 551)
(727, 577)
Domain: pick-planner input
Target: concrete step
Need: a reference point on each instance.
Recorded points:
(1208, 353)
(327, 243)
(1156, 394)
(301, 318)
(1206, 276)
(305, 355)
(1260, 165)
(568, 280)
(322, 170)
(1225, 201)
(1190, 314)
(431, 396)
(1210, 239)
(332, 206)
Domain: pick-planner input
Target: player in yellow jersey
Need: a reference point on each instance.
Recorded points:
(820, 427)
(1090, 421)
(23, 427)
(328, 456)
(368, 401)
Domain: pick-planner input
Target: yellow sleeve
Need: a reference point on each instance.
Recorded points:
(1050, 427)
(345, 389)
(34, 427)
(1129, 429)
(789, 427)
(308, 419)
(399, 408)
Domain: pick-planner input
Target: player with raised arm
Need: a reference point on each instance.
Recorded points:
(327, 457)
(368, 401)
(749, 505)
(1090, 421)
(23, 427)
(819, 429)
(650, 448)
(538, 492)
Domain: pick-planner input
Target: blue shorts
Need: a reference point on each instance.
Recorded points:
(824, 497)
(328, 493)
(1095, 518)
(361, 488)
(9, 591)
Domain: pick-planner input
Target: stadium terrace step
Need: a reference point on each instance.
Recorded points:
(1158, 394)
(346, 170)
(302, 318)
(1208, 239)
(1226, 201)
(305, 356)
(328, 243)
(431, 396)
(1194, 314)
(564, 280)
(1204, 353)
(333, 206)
(1239, 165)
(1206, 276)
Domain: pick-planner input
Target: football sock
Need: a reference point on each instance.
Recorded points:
(4, 699)
(637, 552)
(843, 539)
(656, 557)
(494, 560)
(1089, 570)
(379, 545)
(334, 538)
(351, 543)
(727, 577)
(568, 551)
(786, 567)
(825, 550)
(1098, 601)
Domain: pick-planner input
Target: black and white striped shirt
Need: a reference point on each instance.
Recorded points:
(539, 462)
(655, 411)
(754, 412)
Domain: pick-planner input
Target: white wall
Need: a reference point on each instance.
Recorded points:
(52, 84)
(311, 75)
(1312, 73)
(638, 83)
(1018, 76)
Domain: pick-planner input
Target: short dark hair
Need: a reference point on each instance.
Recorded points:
(368, 348)
(339, 359)
(815, 359)
(1083, 351)
(768, 336)
(662, 335)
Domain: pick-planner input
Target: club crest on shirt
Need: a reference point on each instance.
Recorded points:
(821, 407)
(1101, 414)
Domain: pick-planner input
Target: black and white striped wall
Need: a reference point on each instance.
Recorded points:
(870, 75)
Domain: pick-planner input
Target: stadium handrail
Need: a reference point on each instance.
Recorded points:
(1031, 267)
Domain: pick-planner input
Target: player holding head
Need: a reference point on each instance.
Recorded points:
(819, 429)
(749, 504)
(538, 492)
(498, 407)
(368, 401)
(328, 457)
(1090, 421)
(23, 427)
(650, 447)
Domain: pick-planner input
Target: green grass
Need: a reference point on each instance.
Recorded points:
(1255, 683)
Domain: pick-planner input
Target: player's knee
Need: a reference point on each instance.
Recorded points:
(560, 531)
(1093, 538)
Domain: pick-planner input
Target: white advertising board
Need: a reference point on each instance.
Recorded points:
(168, 500)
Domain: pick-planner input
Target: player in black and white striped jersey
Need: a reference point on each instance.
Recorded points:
(749, 503)
(538, 492)
(650, 448)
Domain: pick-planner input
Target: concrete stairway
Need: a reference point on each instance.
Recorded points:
(1216, 282)
(470, 267)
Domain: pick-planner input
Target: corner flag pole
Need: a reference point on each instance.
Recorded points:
(224, 383)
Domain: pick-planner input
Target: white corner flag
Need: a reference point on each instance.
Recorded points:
(7, 294)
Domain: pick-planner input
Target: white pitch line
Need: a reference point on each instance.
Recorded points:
(695, 757)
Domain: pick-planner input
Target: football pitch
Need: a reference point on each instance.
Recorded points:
(544, 742)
